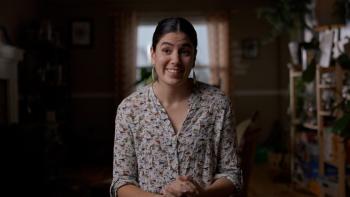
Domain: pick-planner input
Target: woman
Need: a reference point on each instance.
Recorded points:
(175, 137)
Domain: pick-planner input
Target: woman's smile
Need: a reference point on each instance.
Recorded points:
(175, 72)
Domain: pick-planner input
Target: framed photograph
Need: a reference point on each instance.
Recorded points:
(4, 37)
(81, 33)
(250, 48)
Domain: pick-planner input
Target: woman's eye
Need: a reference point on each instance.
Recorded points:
(166, 51)
(185, 52)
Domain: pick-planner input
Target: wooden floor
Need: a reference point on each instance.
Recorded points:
(263, 183)
(95, 182)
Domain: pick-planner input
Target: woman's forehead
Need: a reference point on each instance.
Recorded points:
(175, 38)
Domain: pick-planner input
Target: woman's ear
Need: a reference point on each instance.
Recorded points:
(194, 59)
(152, 55)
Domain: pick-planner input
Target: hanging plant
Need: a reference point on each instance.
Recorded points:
(310, 72)
(285, 16)
(344, 61)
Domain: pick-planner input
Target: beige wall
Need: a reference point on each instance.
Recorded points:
(92, 70)
(261, 82)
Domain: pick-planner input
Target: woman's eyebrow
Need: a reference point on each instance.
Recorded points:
(171, 44)
(167, 43)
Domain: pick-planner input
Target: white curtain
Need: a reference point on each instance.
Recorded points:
(125, 38)
(218, 30)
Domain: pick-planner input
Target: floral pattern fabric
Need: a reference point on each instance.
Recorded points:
(149, 154)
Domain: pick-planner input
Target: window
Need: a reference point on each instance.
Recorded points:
(144, 42)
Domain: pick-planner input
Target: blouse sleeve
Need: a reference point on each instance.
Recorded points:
(124, 157)
(228, 159)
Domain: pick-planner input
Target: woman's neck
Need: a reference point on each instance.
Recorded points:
(169, 95)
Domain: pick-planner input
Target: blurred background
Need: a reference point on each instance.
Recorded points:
(65, 65)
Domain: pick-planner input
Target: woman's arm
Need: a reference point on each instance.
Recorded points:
(221, 187)
(124, 157)
(132, 191)
(186, 186)
(228, 165)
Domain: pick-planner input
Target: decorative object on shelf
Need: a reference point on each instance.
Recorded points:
(82, 33)
(294, 52)
(326, 42)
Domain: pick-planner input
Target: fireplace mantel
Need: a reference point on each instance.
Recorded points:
(9, 58)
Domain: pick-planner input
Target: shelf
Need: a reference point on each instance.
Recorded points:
(326, 69)
(325, 86)
(328, 27)
(296, 73)
(296, 122)
(332, 163)
(325, 113)
(310, 126)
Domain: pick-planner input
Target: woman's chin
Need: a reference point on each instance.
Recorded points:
(175, 81)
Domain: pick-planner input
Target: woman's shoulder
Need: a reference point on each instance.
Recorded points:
(212, 94)
(135, 99)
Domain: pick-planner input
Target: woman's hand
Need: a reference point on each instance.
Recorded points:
(183, 186)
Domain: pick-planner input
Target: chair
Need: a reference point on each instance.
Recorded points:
(247, 137)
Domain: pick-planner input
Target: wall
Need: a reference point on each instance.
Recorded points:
(92, 83)
(262, 87)
(14, 13)
(261, 82)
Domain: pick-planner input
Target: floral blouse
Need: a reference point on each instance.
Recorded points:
(149, 154)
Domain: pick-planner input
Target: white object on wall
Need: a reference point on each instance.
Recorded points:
(10, 56)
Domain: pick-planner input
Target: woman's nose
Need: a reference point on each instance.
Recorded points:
(175, 57)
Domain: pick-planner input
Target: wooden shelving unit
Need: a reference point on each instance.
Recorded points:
(331, 147)
(300, 129)
(337, 145)
(293, 74)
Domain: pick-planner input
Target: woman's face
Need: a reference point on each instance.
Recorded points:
(173, 57)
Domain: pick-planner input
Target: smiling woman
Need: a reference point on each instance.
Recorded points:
(175, 136)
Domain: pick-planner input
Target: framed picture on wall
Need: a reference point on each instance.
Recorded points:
(81, 33)
(250, 48)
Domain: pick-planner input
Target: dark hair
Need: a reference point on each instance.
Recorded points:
(177, 24)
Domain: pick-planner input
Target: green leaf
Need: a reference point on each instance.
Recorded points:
(309, 74)
(341, 125)
(146, 76)
(344, 61)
